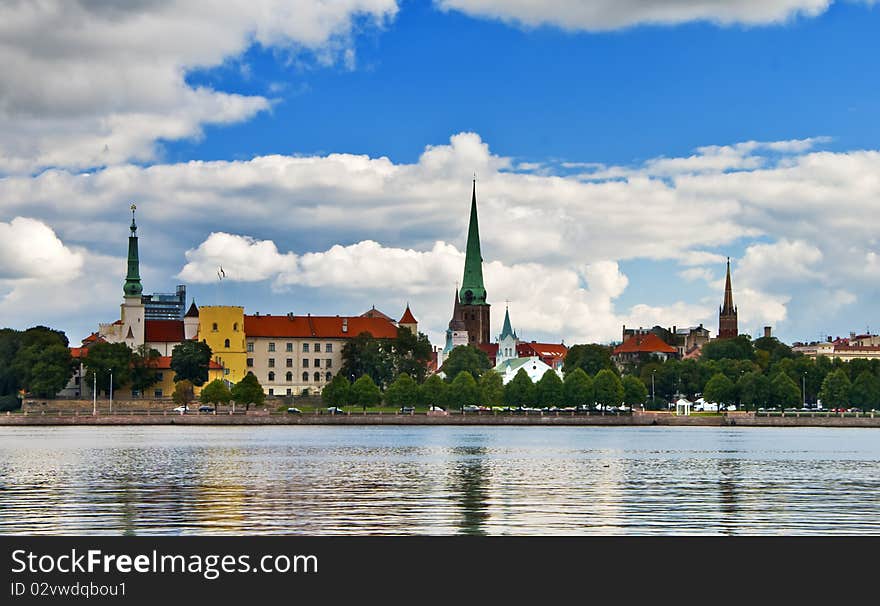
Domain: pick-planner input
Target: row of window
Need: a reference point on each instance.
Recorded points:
(234, 327)
(316, 363)
(305, 377)
(315, 347)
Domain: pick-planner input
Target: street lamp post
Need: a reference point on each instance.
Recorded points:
(653, 401)
(95, 395)
(804, 388)
(111, 391)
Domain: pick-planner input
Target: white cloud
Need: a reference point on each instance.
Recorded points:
(598, 15)
(90, 83)
(45, 281)
(782, 262)
(788, 215)
(242, 259)
(29, 249)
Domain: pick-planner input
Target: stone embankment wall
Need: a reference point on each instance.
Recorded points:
(264, 417)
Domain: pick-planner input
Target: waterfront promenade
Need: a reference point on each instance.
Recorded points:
(372, 418)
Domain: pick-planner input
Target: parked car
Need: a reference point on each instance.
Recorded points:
(405, 410)
(470, 408)
(206, 408)
(294, 411)
(180, 409)
(335, 410)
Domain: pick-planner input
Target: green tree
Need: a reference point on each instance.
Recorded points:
(366, 355)
(577, 388)
(411, 354)
(634, 391)
(183, 393)
(190, 360)
(549, 389)
(520, 391)
(248, 391)
(216, 392)
(492, 388)
(737, 348)
(775, 349)
(865, 392)
(337, 392)
(835, 390)
(720, 389)
(591, 358)
(143, 368)
(44, 370)
(465, 357)
(10, 341)
(608, 388)
(105, 359)
(433, 391)
(402, 392)
(784, 391)
(463, 391)
(364, 392)
(754, 390)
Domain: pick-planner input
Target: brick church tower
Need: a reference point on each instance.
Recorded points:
(727, 327)
(471, 311)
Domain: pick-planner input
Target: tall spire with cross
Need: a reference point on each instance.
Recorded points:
(473, 292)
(132, 287)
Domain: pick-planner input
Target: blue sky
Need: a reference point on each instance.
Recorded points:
(321, 153)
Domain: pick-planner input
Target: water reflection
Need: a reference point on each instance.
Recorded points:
(470, 484)
(438, 480)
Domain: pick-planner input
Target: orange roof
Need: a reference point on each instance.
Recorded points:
(646, 343)
(321, 327)
(163, 331)
(375, 313)
(407, 317)
(78, 352)
(542, 350)
(93, 338)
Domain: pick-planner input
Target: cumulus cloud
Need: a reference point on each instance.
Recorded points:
(86, 83)
(576, 302)
(343, 219)
(36, 265)
(29, 249)
(599, 15)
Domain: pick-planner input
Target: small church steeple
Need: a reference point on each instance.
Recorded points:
(727, 316)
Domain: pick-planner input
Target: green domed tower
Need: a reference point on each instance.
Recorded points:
(133, 286)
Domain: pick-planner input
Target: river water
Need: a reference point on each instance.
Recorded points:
(439, 480)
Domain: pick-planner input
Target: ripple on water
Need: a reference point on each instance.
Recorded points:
(439, 480)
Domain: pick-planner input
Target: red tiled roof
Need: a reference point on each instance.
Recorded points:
(646, 343)
(375, 313)
(490, 348)
(322, 327)
(163, 331)
(79, 352)
(542, 350)
(407, 318)
(94, 337)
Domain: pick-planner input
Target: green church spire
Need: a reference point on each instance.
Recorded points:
(472, 290)
(506, 330)
(133, 286)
